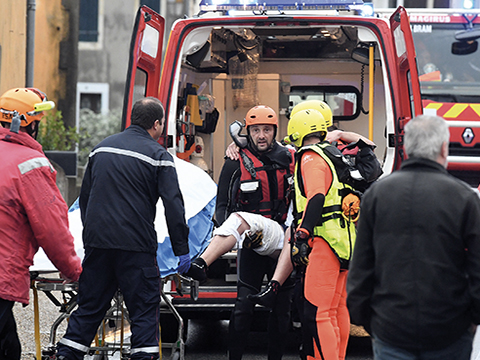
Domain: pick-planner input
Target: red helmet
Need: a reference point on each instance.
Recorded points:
(29, 102)
(261, 115)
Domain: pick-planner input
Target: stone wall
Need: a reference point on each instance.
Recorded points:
(69, 186)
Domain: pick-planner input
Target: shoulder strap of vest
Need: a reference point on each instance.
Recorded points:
(252, 169)
(248, 163)
(299, 154)
(333, 210)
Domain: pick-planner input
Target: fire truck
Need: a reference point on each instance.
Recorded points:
(448, 62)
(234, 55)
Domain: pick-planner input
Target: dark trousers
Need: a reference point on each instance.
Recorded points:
(459, 350)
(10, 348)
(252, 268)
(137, 276)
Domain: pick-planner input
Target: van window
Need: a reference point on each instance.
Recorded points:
(140, 88)
(343, 100)
(150, 41)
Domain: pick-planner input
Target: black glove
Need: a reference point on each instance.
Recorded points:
(253, 241)
(198, 270)
(267, 296)
(300, 248)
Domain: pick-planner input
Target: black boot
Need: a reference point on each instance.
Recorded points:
(268, 296)
(198, 270)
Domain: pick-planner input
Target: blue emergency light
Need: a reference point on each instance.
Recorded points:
(279, 4)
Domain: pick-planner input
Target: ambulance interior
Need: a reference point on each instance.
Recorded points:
(232, 69)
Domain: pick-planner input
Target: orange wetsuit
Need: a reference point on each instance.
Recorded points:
(326, 316)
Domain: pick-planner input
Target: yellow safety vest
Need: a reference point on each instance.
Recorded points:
(338, 232)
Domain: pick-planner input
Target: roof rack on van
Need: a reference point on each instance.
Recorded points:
(280, 5)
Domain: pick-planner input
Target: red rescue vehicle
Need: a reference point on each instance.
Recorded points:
(235, 55)
(446, 44)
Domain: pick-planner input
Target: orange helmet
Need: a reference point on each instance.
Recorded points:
(261, 115)
(29, 102)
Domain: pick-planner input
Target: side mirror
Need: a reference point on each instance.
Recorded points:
(467, 35)
(464, 47)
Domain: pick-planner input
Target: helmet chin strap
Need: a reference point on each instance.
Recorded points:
(32, 129)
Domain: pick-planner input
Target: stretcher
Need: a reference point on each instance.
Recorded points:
(112, 340)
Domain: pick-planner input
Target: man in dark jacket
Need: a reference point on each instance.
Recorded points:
(414, 280)
(126, 175)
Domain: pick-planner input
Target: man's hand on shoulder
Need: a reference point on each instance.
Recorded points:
(334, 135)
(346, 137)
(232, 152)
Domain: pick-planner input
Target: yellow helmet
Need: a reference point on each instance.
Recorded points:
(318, 105)
(303, 123)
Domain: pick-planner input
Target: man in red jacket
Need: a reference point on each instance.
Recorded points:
(32, 210)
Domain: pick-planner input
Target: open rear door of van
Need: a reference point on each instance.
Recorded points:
(144, 66)
(410, 97)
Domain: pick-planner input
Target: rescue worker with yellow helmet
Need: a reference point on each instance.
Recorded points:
(252, 202)
(33, 213)
(323, 239)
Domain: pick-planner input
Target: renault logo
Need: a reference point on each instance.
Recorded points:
(468, 135)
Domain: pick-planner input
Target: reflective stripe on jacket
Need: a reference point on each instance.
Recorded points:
(33, 214)
(127, 174)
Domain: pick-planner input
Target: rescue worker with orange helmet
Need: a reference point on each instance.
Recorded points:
(33, 213)
(252, 204)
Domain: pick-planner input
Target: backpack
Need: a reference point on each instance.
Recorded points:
(355, 163)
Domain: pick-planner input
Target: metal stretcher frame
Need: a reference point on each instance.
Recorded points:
(117, 312)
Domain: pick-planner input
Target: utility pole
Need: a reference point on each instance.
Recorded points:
(31, 7)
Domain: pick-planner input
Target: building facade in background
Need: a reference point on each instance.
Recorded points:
(104, 41)
(55, 55)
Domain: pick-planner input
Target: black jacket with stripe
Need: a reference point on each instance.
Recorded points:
(126, 175)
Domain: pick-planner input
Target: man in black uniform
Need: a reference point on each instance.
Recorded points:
(252, 198)
(126, 175)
